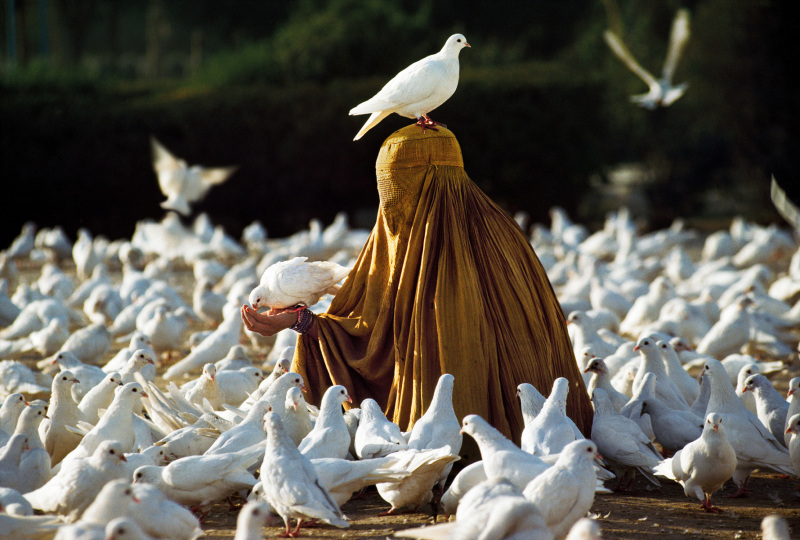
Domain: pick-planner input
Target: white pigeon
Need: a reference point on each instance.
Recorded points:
(792, 433)
(564, 493)
(275, 394)
(466, 479)
(426, 468)
(246, 433)
(295, 282)
(124, 528)
(793, 397)
(116, 423)
(44, 342)
(633, 409)
(291, 485)
(296, 418)
(755, 446)
(214, 347)
(601, 379)
(585, 529)
(237, 385)
(182, 184)
(12, 407)
(10, 456)
(661, 92)
(330, 436)
(235, 359)
(501, 457)
(493, 510)
(771, 408)
(99, 397)
(57, 439)
(439, 426)
(252, 517)
(621, 442)
(199, 481)
(139, 360)
(687, 384)
(376, 436)
(165, 328)
(88, 344)
(27, 527)
(417, 90)
(703, 465)
(34, 467)
(161, 517)
(531, 401)
(110, 503)
(673, 428)
(343, 477)
(16, 377)
(550, 431)
(651, 362)
(775, 527)
(206, 388)
(71, 491)
(24, 243)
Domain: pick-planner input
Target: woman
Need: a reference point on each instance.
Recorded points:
(446, 283)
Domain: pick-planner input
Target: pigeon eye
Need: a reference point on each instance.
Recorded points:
(111, 452)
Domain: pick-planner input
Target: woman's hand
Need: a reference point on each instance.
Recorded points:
(267, 325)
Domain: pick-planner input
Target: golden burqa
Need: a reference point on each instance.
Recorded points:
(446, 283)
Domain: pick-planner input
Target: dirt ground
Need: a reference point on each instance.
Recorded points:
(642, 512)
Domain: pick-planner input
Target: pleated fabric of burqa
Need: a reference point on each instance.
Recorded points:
(446, 283)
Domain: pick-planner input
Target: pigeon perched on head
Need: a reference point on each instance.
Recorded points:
(182, 184)
(295, 282)
(417, 90)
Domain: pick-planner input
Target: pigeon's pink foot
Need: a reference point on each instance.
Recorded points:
(389, 512)
(709, 508)
(743, 492)
(426, 122)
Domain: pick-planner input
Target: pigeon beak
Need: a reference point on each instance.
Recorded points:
(75, 380)
(295, 406)
(303, 388)
(636, 348)
(598, 456)
(144, 394)
(123, 458)
(788, 430)
(587, 370)
(791, 391)
(744, 390)
(136, 499)
(27, 404)
(349, 399)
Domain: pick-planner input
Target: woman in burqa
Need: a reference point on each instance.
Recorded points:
(446, 283)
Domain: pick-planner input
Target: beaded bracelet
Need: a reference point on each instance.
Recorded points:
(305, 318)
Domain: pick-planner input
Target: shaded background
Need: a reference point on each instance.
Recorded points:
(542, 110)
